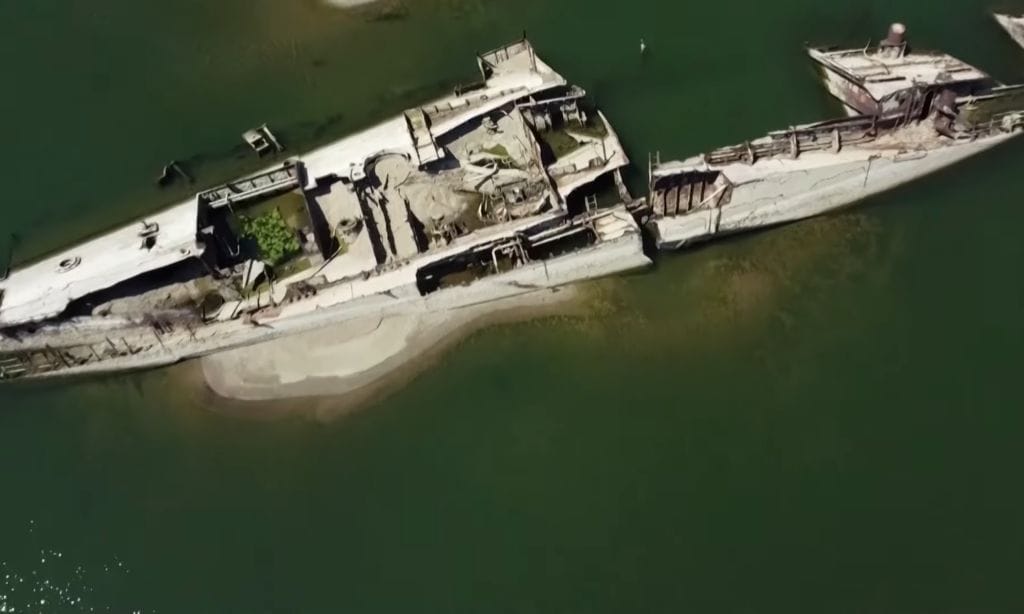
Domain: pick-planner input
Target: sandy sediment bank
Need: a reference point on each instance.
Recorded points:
(338, 368)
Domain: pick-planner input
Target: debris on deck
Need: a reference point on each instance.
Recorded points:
(262, 140)
(171, 171)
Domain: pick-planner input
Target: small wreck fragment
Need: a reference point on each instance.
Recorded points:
(461, 201)
(1013, 24)
(880, 79)
(815, 168)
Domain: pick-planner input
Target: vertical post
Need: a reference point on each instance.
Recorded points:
(650, 178)
(158, 339)
(529, 49)
(10, 258)
(59, 355)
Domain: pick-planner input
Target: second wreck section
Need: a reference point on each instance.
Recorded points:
(811, 169)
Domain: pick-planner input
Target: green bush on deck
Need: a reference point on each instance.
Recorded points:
(274, 238)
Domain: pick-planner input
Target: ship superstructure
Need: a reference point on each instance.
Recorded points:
(882, 79)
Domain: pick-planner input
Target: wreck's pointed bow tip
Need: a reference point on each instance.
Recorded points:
(1006, 20)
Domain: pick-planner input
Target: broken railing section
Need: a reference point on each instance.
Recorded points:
(967, 120)
(277, 180)
(492, 61)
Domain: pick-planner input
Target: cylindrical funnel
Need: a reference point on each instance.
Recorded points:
(897, 35)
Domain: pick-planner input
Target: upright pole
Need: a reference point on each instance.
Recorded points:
(10, 258)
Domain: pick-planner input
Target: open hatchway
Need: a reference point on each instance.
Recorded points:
(688, 191)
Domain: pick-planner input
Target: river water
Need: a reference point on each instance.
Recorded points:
(822, 417)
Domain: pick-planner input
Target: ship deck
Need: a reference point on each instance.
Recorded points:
(882, 73)
(44, 289)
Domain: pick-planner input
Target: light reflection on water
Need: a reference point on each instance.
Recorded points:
(45, 579)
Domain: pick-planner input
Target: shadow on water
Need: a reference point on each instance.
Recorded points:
(712, 299)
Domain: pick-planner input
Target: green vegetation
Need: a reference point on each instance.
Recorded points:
(291, 206)
(275, 240)
(497, 150)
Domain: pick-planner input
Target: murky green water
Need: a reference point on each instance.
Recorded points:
(824, 417)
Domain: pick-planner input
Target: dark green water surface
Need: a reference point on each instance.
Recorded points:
(826, 417)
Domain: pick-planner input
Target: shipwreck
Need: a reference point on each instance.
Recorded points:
(466, 199)
(483, 195)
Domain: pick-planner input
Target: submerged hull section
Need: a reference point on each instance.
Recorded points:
(800, 194)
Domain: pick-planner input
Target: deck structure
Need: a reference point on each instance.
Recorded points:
(877, 79)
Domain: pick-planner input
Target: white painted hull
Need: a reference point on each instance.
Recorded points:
(609, 258)
(801, 194)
